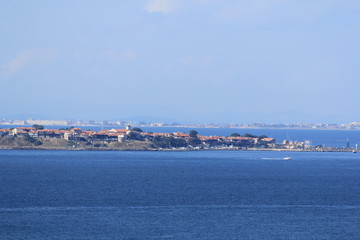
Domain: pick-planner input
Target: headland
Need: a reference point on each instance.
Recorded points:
(134, 139)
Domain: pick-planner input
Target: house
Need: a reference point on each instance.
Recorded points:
(126, 131)
(70, 136)
(268, 140)
(76, 130)
(19, 131)
(26, 129)
(180, 135)
(49, 133)
(113, 137)
(121, 137)
(4, 132)
(33, 133)
(99, 137)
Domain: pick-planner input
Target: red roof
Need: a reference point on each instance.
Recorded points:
(120, 130)
(179, 134)
(26, 128)
(268, 139)
(160, 134)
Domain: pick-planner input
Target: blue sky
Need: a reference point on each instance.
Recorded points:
(181, 60)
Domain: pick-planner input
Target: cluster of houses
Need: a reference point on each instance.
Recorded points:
(121, 135)
(295, 144)
(72, 134)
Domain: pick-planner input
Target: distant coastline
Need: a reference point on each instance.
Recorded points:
(117, 124)
(190, 127)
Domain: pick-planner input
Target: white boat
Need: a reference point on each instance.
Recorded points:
(356, 149)
(287, 158)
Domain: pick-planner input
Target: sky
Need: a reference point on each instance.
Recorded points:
(230, 61)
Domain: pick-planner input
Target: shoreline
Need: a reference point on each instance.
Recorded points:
(191, 127)
(178, 150)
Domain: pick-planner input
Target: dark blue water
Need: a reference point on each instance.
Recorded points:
(179, 195)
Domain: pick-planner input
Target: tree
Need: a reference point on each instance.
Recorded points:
(177, 142)
(193, 134)
(250, 135)
(235, 135)
(254, 136)
(194, 142)
(134, 136)
(136, 129)
(169, 142)
(161, 142)
(38, 127)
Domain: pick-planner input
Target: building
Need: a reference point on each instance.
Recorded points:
(47, 122)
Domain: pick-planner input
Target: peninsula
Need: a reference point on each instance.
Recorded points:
(37, 137)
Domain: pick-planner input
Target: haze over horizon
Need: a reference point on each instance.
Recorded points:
(181, 60)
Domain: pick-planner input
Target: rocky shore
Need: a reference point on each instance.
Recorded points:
(61, 144)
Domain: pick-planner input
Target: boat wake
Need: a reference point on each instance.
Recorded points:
(285, 158)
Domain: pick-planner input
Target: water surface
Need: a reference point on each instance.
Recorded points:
(179, 195)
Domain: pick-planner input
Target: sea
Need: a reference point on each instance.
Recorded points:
(180, 195)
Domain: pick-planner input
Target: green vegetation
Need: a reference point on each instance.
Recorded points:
(254, 136)
(32, 140)
(71, 143)
(67, 129)
(99, 145)
(194, 142)
(134, 136)
(136, 139)
(136, 129)
(38, 127)
(169, 142)
(193, 134)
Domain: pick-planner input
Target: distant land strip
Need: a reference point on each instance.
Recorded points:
(116, 124)
(135, 139)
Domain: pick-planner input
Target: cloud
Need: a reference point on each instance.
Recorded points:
(18, 63)
(130, 55)
(161, 6)
(25, 59)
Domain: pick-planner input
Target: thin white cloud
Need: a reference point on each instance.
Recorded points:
(18, 63)
(161, 6)
(129, 54)
(25, 59)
